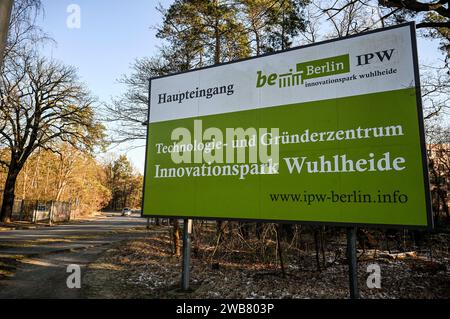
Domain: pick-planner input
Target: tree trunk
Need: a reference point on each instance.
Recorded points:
(317, 245)
(176, 237)
(217, 43)
(219, 230)
(8, 196)
(322, 246)
(258, 45)
(244, 228)
(286, 231)
(283, 44)
(258, 230)
(46, 181)
(279, 249)
(445, 201)
(25, 183)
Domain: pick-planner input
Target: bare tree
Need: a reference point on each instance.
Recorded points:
(440, 7)
(41, 104)
(431, 16)
(435, 91)
(398, 9)
(337, 18)
(128, 112)
(24, 34)
(438, 148)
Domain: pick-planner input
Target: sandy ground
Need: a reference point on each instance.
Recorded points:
(33, 262)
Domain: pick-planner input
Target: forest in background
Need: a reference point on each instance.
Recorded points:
(51, 137)
(78, 178)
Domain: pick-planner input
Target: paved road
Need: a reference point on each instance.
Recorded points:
(46, 253)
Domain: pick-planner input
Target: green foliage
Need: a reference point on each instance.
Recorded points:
(284, 22)
(124, 184)
(209, 32)
(203, 32)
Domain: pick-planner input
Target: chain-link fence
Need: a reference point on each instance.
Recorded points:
(41, 211)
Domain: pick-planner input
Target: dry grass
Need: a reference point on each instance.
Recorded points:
(146, 268)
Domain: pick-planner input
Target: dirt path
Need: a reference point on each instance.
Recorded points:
(34, 262)
(45, 277)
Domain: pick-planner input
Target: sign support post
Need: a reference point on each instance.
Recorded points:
(187, 231)
(352, 263)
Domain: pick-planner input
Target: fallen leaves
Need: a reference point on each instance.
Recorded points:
(149, 270)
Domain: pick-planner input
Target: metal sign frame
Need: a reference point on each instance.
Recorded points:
(429, 225)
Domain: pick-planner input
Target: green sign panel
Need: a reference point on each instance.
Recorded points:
(329, 133)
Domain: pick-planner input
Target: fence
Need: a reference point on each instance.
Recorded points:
(41, 211)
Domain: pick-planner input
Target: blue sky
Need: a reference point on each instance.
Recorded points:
(113, 34)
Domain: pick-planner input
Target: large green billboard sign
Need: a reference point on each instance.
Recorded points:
(326, 133)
